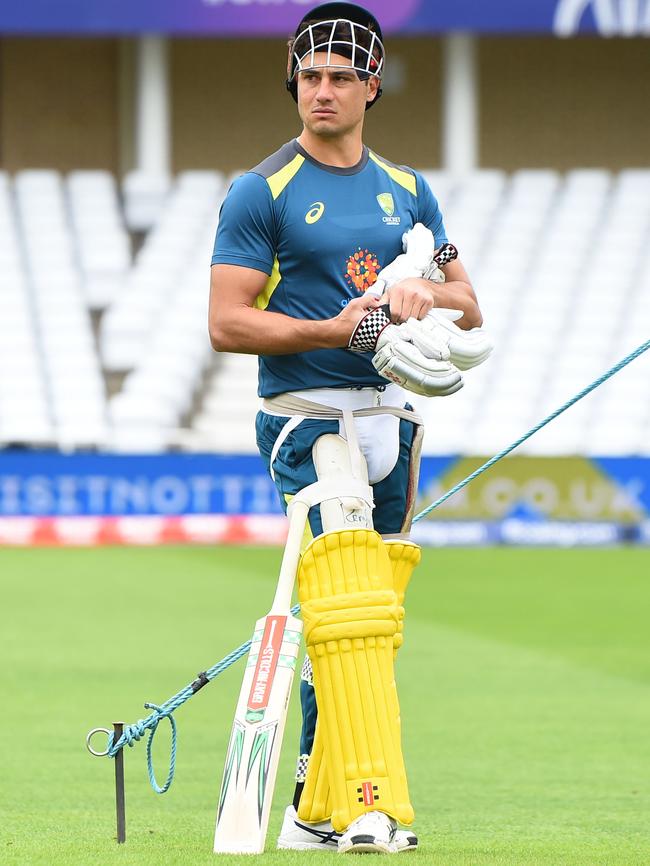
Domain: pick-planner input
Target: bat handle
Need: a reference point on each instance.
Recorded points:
(298, 512)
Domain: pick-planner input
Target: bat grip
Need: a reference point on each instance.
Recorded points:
(298, 512)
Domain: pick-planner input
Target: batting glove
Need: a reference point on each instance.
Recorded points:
(399, 359)
(467, 349)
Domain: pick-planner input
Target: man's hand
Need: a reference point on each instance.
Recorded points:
(345, 324)
(410, 299)
(401, 282)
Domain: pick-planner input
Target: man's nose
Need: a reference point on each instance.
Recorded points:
(324, 92)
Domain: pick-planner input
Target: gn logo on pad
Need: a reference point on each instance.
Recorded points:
(387, 204)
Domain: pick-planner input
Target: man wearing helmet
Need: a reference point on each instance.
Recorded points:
(302, 239)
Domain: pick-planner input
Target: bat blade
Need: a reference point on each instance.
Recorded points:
(256, 737)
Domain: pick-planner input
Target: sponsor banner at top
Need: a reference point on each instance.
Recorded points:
(242, 18)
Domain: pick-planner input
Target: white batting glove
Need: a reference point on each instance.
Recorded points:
(467, 349)
(401, 268)
(398, 358)
(419, 259)
(402, 362)
(419, 245)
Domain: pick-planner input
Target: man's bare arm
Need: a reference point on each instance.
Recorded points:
(235, 325)
(457, 293)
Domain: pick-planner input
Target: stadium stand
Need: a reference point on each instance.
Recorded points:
(144, 199)
(103, 243)
(156, 330)
(561, 264)
(24, 410)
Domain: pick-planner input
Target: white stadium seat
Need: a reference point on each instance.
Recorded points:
(559, 262)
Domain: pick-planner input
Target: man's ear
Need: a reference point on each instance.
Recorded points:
(372, 88)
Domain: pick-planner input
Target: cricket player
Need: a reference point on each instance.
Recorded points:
(303, 239)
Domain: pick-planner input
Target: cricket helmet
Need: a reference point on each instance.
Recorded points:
(337, 28)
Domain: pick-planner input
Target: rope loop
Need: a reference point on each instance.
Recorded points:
(159, 714)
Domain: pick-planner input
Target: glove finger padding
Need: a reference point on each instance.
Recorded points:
(467, 349)
(403, 363)
(401, 268)
(420, 245)
(427, 336)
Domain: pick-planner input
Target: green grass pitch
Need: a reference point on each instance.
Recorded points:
(524, 681)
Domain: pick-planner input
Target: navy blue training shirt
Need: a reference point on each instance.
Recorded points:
(321, 234)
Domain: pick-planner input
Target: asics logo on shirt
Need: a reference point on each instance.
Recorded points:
(314, 213)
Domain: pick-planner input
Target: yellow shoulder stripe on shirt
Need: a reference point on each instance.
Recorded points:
(403, 178)
(262, 300)
(281, 178)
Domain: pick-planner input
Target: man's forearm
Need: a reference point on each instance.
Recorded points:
(457, 295)
(260, 332)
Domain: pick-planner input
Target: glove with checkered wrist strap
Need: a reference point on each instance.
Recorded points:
(419, 260)
(398, 359)
(467, 349)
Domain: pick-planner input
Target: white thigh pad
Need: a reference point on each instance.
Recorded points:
(337, 464)
(378, 437)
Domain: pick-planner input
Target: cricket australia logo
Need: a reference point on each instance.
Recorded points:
(387, 204)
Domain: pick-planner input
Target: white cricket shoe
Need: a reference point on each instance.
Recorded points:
(372, 832)
(405, 840)
(300, 836)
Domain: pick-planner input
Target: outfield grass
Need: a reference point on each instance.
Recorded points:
(525, 686)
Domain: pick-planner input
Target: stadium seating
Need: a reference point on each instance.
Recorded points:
(144, 199)
(156, 330)
(103, 243)
(560, 263)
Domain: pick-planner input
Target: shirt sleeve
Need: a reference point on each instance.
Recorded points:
(246, 230)
(429, 211)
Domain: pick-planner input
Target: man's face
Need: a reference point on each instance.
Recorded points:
(331, 100)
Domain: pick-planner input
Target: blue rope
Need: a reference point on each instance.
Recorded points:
(133, 733)
(595, 384)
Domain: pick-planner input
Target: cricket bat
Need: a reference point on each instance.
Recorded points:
(256, 738)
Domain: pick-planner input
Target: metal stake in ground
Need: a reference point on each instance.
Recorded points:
(120, 805)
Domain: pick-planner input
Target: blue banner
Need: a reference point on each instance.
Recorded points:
(527, 490)
(243, 18)
(49, 484)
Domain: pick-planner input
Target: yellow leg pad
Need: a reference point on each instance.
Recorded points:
(349, 608)
(315, 801)
(404, 556)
